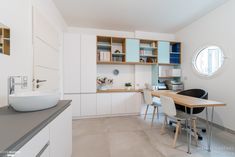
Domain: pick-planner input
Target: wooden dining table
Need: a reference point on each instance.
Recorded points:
(192, 102)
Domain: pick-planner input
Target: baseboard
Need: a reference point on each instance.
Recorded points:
(105, 116)
(218, 126)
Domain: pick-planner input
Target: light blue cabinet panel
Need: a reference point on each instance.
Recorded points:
(163, 52)
(132, 50)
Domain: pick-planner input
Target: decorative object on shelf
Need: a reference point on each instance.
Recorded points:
(103, 83)
(142, 60)
(128, 86)
(117, 51)
(115, 72)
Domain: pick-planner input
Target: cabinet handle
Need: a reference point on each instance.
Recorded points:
(43, 149)
(38, 81)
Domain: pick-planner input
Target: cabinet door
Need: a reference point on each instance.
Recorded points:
(61, 135)
(88, 104)
(88, 64)
(76, 103)
(132, 50)
(35, 145)
(133, 102)
(163, 52)
(119, 101)
(104, 103)
(72, 62)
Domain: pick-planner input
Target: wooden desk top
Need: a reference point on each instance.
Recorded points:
(188, 101)
(117, 90)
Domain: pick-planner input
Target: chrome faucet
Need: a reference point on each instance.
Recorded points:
(12, 84)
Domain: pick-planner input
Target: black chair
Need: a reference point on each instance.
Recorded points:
(197, 93)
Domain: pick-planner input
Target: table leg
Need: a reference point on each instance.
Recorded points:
(190, 132)
(210, 131)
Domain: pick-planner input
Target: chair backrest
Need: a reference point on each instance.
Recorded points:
(197, 93)
(168, 105)
(148, 99)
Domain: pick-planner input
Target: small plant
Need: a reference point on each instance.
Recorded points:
(128, 84)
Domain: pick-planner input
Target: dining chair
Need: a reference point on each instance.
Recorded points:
(169, 110)
(148, 100)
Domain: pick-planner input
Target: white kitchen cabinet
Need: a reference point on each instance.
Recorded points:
(88, 105)
(133, 102)
(119, 101)
(33, 147)
(88, 64)
(72, 63)
(126, 103)
(61, 135)
(76, 103)
(104, 103)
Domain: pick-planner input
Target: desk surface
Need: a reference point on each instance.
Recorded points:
(188, 101)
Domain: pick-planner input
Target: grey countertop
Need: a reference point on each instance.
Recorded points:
(17, 128)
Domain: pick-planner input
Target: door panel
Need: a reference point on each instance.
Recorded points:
(76, 103)
(119, 103)
(72, 63)
(88, 104)
(88, 64)
(45, 55)
(51, 77)
(44, 30)
(104, 103)
(132, 50)
(163, 52)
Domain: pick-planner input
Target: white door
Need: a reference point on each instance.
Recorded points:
(88, 64)
(72, 63)
(46, 50)
(104, 103)
(88, 104)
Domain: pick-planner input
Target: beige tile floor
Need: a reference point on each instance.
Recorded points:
(131, 136)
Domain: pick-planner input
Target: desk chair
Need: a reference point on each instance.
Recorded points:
(197, 93)
(169, 110)
(148, 100)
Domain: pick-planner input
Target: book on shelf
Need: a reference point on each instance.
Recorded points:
(105, 56)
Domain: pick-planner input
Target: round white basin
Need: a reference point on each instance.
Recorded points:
(33, 101)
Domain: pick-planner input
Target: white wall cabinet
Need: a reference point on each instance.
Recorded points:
(76, 103)
(72, 63)
(104, 103)
(54, 140)
(88, 64)
(88, 105)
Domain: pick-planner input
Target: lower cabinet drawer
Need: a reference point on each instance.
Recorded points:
(37, 146)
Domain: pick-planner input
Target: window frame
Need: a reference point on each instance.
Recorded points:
(197, 52)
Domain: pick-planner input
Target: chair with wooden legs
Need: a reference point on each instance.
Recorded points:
(148, 99)
(180, 117)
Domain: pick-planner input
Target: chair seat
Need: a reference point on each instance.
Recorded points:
(180, 116)
(156, 102)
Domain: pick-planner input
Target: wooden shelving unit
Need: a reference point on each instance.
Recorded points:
(5, 41)
(148, 51)
(126, 63)
(175, 52)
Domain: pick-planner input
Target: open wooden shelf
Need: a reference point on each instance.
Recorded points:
(170, 64)
(5, 41)
(166, 77)
(126, 63)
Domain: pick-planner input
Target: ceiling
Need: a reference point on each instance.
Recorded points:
(166, 16)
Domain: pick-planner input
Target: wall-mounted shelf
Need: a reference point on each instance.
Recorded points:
(5, 41)
(127, 63)
(148, 51)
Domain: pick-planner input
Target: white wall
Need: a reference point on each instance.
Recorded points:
(18, 16)
(217, 28)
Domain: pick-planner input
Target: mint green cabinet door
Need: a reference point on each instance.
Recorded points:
(132, 50)
(163, 52)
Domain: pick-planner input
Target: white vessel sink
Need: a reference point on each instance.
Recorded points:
(33, 101)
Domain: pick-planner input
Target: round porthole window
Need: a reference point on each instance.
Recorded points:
(208, 60)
